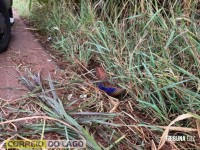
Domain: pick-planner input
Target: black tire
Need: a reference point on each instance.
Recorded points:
(5, 36)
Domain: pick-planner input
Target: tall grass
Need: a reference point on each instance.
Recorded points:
(154, 51)
(151, 48)
(22, 7)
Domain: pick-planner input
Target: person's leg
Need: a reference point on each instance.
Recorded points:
(11, 14)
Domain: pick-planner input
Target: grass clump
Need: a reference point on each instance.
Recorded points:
(150, 48)
(22, 7)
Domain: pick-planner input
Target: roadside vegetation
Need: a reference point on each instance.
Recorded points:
(150, 48)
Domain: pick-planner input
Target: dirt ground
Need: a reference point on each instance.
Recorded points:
(23, 55)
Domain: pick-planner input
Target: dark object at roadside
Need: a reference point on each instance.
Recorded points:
(112, 91)
(6, 20)
(105, 86)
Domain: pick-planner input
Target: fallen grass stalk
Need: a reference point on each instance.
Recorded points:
(40, 117)
(181, 129)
